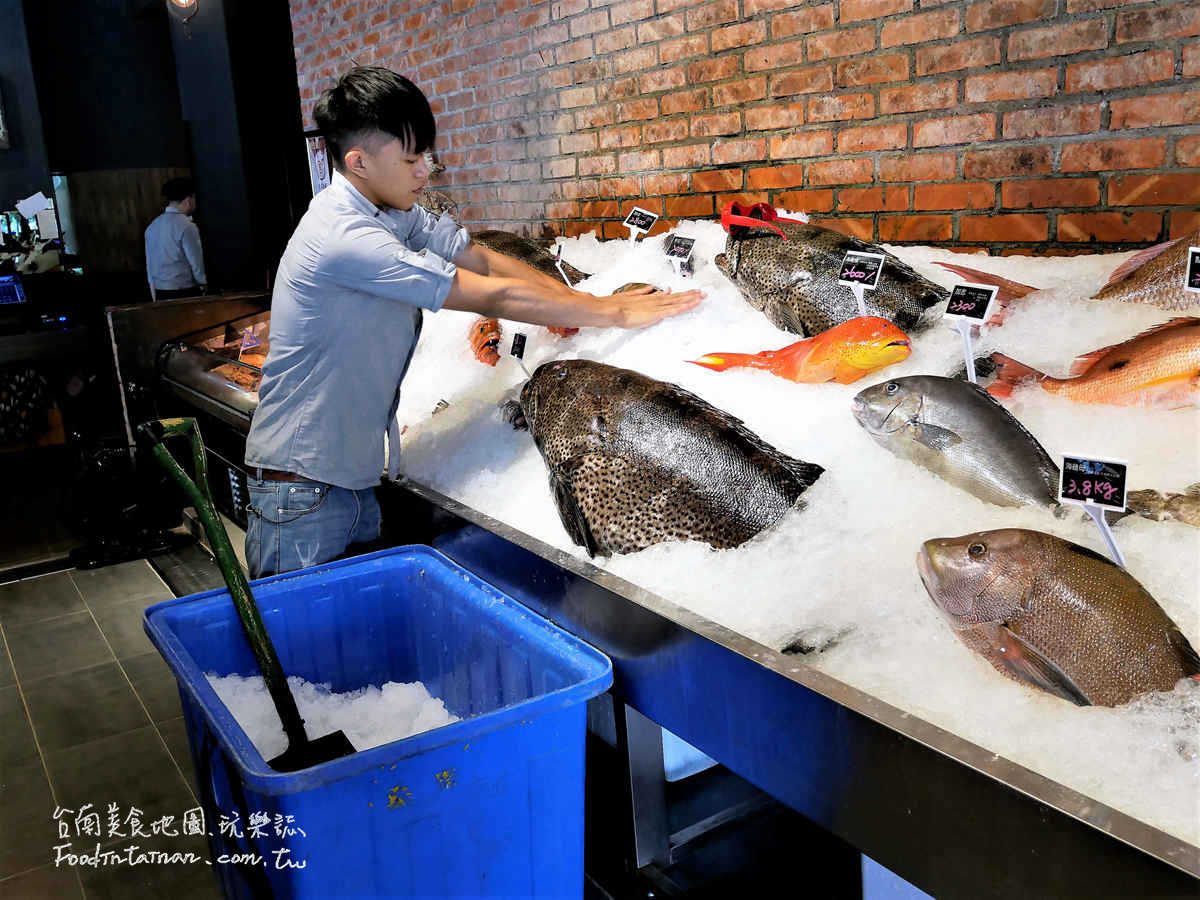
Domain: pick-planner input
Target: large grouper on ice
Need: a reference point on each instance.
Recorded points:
(789, 272)
(634, 461)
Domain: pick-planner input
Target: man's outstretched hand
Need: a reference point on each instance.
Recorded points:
(644, 306)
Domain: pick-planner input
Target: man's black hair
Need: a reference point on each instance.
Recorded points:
(178, 189)
(369, 100)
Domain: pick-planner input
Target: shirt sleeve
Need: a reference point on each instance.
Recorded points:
(421, 230)
(190, 241)
(369, 257)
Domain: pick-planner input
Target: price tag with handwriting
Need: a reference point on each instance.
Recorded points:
(971, 301)
(1193, 270)
(1097, 481)
(861, 269)
(680, 248)
(518, 345)
(639, 221)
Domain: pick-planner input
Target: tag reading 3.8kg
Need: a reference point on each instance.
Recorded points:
(1096, 481)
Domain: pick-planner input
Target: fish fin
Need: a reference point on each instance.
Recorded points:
(1135, 262)
(513, 413)
(719, 362)
(1008, 290)
(784, 317)
(848, 374)
(935, 437)
(1008, 373)
(1085, 361)
(569, 510)
(1026, 663)
(1187, 653)
(806, 473)
(1192, 490)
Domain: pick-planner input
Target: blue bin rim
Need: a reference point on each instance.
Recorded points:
(253, 767)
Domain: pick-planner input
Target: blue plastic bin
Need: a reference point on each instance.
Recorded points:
(489, 806)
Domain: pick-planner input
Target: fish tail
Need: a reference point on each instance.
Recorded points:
(719, 362)
(1009, 373)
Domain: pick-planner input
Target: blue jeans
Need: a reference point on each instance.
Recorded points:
(295, 524)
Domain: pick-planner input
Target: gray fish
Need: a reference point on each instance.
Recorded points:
(528, 251)
(958, 432)
(634, 461)
(1055, 615)
(1166, 507)
(793, 282)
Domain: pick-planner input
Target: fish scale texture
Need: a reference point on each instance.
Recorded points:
(1159, 282)
(634, 461)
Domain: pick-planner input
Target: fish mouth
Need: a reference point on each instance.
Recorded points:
(903, 343)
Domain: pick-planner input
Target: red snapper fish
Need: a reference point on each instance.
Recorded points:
(844, 353)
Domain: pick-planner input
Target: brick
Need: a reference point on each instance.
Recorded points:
(1052, 120)
(1109, 226)
(600, 209)
(589, 24)
(1050, 192)
(840, 43)
(559, 168)
(1183, 223)
(807, 201)
(873, 70)
(933, 26)
(739, 36)
(841, 171)
(775, 177)
(666, 130)
(962, 55)
(1017, 227)
(875, 199)
(1156, 109)
(754, 7)
(803, 21)
(1007, 161)
(802, 81)
(671, 183)
(941, 95)
(613, 230)
(1002, 13)
(582, 96)
(1023, 85)
(1159, 22)
(762, 118)
(635, 110)
(1191, 61)
(724, 152)
(873, 137)
(638, 160)
(574, 51)
(566, 209)
(1099, 156)
(682, 48)
(1153, 190)
(737, 92)
(922, 229)
(858, 10)
(596, 117)
(863, 229)
(662, 79)
(624, 13)
(685, 101)
(718, 123)
(954, 130)
(560, 9)
(618, 39)
(701, 18)
(687, 157)
(1187, 151)
(712, 69)
(654, 204)
(578, 143)
(743, 197)
(659, 28)
(618, 89)
(717, 180)
(693, 207)
(841, 106)
(774, 57)
(636, 60)
(1074, 6)
(917, 167)
(1123, 72)
(966, 195)
(1058, 40)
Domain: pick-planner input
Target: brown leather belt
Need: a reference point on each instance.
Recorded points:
(276, 475)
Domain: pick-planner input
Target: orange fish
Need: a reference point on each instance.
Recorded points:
(1158, 368)
(844, 353)
(485, 340)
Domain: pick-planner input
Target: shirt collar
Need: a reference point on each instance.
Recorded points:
(352, 194)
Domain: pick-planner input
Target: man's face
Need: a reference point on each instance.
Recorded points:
(394, 175)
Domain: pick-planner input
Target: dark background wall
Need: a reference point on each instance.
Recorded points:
(24, 167)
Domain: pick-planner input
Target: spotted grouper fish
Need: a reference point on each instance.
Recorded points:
(1055, 615)
(634, 461)
(527, 251)
(792, 278)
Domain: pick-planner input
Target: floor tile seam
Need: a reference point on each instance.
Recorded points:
(4, 584)
(47, 620)
(41, 755)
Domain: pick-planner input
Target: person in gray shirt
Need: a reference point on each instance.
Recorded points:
(363, 264)
(174, 257)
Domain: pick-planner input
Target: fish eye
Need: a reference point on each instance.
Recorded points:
(892, 387)
(976, 550)
(560, 373)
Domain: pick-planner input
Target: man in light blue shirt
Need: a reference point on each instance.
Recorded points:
(174, 258)
(362, 265)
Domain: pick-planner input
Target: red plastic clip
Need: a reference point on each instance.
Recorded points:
(760, 215)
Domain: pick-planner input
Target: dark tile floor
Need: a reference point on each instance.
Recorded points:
(91, 716)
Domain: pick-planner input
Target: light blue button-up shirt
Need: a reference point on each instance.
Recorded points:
(174, 259)
(345, 318)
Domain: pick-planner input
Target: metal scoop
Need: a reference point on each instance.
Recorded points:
(301, 752)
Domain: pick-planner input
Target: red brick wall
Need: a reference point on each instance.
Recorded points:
(1012, 124)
